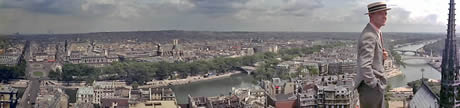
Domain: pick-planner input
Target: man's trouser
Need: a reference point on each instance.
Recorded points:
(370, 97)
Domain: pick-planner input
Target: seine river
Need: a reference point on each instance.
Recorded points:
(224, 86)
(412, 71)
(214, 87)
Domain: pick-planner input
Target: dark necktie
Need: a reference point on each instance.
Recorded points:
(383, 48)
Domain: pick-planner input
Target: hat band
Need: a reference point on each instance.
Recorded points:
(377, 7)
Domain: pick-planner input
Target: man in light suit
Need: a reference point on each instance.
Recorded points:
(370, 81)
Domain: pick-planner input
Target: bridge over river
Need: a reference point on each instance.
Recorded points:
(414, 65)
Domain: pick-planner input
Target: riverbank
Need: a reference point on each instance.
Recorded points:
(216, 87)
(192, 79)
(392, 73)
(435, 65)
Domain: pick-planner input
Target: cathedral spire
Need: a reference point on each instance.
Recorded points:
(449, 67)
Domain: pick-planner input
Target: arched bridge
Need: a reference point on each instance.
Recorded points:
(247, 69)
(419, 57)
(405, 51)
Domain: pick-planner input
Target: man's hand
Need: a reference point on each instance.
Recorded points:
(385, 54)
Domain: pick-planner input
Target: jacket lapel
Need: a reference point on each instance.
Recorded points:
(379, 42)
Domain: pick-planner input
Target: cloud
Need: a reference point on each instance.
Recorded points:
(283, 7)
(135, 8)
(223, 15)
(300, 7)
(424, 11)
(217, 7)
(44, 6)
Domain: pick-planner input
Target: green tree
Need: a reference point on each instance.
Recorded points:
(20, 69)
(313, 71)
(300, 69)
(182, 68)
(135, 85)
(78, 72)
(138, 72)
(397, 58)
(8, 73)
(299, 72)
(198, 68)
(55, 75)
(288, 57)
(164, 70)
(119, 69)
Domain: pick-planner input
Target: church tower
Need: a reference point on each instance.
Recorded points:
(449, 67)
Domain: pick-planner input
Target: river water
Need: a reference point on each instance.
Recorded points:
(214, 87)
(224, 86)
(412, 71)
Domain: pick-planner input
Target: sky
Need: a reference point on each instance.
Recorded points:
(83, 16)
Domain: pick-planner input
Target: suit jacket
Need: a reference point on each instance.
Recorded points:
(370, 59)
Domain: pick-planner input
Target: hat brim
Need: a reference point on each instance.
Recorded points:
(384, 9)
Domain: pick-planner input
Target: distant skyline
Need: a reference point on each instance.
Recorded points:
(83, 16)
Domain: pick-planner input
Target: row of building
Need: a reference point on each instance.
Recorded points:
(8, 96)
(10, 56)
(117, 94)
(328, 91)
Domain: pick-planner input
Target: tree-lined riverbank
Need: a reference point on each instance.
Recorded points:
(143, 72)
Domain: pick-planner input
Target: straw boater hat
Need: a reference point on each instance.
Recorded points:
(377, 6)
